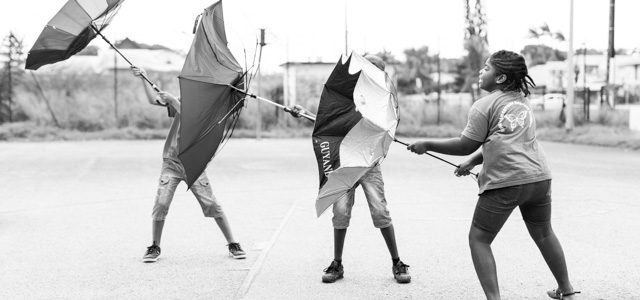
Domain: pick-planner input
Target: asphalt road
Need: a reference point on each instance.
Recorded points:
(75, 221)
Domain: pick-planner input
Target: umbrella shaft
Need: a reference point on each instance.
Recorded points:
(285, 108)
(257, 97)
(436, 157)
(153, 85)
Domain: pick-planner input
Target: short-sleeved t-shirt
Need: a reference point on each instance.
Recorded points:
(503, 122)
(172, 165)
(171, 144)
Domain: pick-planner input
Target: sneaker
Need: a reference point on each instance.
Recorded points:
(559, 294)
(401, 272)
(334, 272)
(236, 251)
(152, 254)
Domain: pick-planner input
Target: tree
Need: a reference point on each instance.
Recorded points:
(414, 74)
(544, 31)
(387, 57)
(11, 74)
(540, 54)
(476, 44)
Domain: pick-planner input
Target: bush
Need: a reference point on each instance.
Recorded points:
(609, 117)
(419, 117)
(593, 134)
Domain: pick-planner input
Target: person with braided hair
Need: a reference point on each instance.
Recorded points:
(514, 172)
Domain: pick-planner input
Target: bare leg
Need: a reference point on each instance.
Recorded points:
(156, 231)
(551, 250)
(483, 261)
(390, 238)
(338, 243)
(223, 223)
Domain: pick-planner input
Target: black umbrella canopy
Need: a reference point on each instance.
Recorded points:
(207, 98)
(336, 116)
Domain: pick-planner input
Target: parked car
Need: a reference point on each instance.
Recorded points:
(554, 101)
(536, 101)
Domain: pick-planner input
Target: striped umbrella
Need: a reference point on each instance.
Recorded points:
(356, 122)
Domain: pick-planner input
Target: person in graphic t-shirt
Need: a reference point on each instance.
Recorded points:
(514, 172)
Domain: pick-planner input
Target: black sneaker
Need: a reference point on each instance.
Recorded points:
(401, 272)
(152, 254)
(334, 272)
(236, 251)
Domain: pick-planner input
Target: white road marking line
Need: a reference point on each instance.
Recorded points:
(257, 265)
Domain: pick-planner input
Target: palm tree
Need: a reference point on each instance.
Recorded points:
(545, 47)
(544, 31)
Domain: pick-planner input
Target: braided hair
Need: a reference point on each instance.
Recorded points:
(513, 66)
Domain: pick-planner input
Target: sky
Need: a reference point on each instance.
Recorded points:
(313, 30)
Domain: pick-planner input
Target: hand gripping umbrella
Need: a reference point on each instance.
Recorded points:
(356, 122)
(71, 29)
(209, 110)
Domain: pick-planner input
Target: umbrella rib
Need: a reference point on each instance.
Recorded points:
(84, 10)
(204, 30)
(59, 29)
(109, 15)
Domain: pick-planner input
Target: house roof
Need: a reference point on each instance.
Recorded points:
(150, 60)
(317, 63)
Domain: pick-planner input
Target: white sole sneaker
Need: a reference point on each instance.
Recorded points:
(149, 260)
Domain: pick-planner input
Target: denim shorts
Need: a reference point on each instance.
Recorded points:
(495, 206)
(373, 188)
(201, 189)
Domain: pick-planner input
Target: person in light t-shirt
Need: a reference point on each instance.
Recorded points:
(172, 173)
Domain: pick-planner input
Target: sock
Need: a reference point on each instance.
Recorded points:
(339, 261)
(395, 260)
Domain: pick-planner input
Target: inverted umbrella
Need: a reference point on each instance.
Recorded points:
(209, 109)
(356, 122)
(71, 29)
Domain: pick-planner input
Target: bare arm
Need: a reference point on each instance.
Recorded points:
(465, 168)
(477, 158)
(455, 146)
(152, 97)
(170, 99)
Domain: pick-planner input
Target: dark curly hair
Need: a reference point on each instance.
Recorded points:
(514, 67)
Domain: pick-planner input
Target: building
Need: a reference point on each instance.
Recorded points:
(303, 82)
(590, 72)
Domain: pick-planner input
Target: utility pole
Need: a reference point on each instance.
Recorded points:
(586, 91)
(570, 75)
(439, 89)
(9, 76)
(259, 116)
(44, 98)
(115, 87)
(611, 51)
(346, 32)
